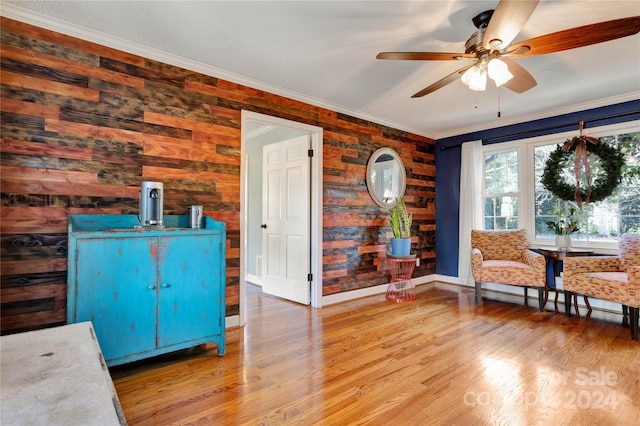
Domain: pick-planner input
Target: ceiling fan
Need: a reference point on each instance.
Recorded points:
(491, 50)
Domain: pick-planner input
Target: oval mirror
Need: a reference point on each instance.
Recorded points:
(386, 177)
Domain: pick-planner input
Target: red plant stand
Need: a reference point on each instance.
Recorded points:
(401, 289)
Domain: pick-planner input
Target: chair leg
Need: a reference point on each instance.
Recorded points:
(634, 313)
(625, 315)
(479, 293)
(567, 303)
(541, 299)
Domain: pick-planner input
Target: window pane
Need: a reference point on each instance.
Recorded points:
(501, 172)
(501, 212)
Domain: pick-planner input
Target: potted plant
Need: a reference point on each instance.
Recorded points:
(401, 222)
(563, 227)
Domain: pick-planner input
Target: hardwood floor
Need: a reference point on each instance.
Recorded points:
(439, 360)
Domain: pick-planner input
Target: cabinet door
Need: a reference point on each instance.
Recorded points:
(189, 288)
(116, 280)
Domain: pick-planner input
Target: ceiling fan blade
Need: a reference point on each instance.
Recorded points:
(577, 37)
(424, 56)
(441, 83)
(521, 81)
(506, 22)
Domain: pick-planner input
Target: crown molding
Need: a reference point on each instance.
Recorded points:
(631, 96)
(33, 18)
(27, 16)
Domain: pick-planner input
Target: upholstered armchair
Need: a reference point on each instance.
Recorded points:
(612, 278)
(503, 257)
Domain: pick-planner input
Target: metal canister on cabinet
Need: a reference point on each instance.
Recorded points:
(194, 214)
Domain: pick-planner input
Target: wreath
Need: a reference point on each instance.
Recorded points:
(611, 163)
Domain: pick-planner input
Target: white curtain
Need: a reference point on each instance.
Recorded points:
(470, 205)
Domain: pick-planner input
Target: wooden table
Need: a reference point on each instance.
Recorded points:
(555, 256)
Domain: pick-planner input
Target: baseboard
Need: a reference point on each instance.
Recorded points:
(602, 309)
(254, 279)
(369, 291)
(447, 279)
(232, 321)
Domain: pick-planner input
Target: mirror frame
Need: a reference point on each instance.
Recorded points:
(403, 176)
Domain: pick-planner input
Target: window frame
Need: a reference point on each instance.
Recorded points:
(526, 175)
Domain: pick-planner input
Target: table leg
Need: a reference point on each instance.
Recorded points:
(546, 282)
(586, 302)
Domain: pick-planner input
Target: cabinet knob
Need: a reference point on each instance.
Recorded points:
(263, 226)
(165, 285)
(152, 287)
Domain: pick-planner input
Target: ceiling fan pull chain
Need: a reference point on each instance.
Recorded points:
(499, 113)
(476, 105)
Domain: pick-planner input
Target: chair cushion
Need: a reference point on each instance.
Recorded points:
(510, 272)
(611, 286)
(509, 245)
(629, 250)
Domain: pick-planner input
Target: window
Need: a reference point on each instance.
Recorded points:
(515, 198)
(601, 221)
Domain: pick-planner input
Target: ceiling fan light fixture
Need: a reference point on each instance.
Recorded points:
(499, 71)
(475, 78)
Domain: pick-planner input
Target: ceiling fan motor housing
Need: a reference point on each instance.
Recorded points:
(474, 44)
(481, 21)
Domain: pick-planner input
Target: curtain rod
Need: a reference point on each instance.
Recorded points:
(558, 126)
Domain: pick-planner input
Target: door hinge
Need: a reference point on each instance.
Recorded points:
(310, 153)
(309, 277)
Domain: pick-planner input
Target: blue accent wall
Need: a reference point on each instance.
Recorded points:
(448, 166)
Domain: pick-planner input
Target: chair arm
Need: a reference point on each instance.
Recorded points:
(580, 265)
(535, 260)
(476, 263)
(634, 285)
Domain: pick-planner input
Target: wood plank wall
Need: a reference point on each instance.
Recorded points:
(83, 125)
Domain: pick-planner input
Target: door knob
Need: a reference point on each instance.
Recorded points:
(263, 226)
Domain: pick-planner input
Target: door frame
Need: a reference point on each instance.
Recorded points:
(316, 136)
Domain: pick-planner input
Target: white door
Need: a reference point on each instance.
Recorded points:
(285, 219)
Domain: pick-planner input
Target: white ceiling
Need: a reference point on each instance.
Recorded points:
(323, 52)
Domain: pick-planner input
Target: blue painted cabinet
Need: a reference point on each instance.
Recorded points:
(147, 292)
